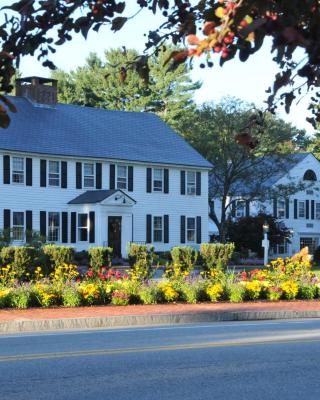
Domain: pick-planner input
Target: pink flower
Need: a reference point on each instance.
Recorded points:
(125, 276)
(89, 274)
(118, 275)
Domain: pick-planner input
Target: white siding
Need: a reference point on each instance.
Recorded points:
(18, 197)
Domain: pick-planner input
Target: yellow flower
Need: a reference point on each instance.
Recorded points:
(214, 291)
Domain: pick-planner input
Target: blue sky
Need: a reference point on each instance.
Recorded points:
(247, 81)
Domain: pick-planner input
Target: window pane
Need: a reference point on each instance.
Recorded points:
(301, 209)
(122, 177)
(157, 179)
(83, 227)
(191, 182)
(158, 222)
(88, 169)
(18, 226)
(53, 226)
(157, 229)
(190, 236)
(157, 173)
(17, 170)
(191, 223)
(54, 167)
(317, 210)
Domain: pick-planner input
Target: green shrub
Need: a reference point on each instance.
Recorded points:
(58, 255)
(140, 259)
(81, 257)
(120, 298)
(23, 297)
(5, 297)
(307, 292)
(100, 257)
(22, 260)
(150, 294)
(71, 296)
(183, 260)
(7, 255)
(216, 256)
(235, 292)
(189, 292)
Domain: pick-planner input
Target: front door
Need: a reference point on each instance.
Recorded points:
(114, 235)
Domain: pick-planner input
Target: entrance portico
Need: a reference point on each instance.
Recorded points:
(113, 218)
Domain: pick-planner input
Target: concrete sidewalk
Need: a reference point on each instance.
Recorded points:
(40, 319)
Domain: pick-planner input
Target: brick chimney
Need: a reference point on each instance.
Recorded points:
(42, 92)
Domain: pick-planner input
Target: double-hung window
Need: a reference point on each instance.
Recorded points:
(281, 209)
(157, 180)
(157, 229)
(191, 182)
(82, 227)
(88, 175)
(18, 225)
(317, 206)
(53, 226)
(191, 230)
(54, 173)
(122, 177)
(17, 169)
(240, 208)
(301, 209)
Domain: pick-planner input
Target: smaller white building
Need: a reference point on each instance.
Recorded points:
(300, 212)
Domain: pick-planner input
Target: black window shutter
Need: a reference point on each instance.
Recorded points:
(247, 208)
(307, 209)
(287, 209)
(312, 209)
(166, 228)
(28, 225)
(198, 183)
(98, 176)
(6, 219)
(198, 229)
(29, 171)
(295, 209)
(78, 175)
(73, 227)
(275, 208)
(6, 169)
(182, 183)
(64, 225)
(43, 224)
(148, 231)
(149, 180)
(130, 179)
(112, 183)
(43, 173)
(92, 227)
(182, 229)
(166, 180)
(64, 174)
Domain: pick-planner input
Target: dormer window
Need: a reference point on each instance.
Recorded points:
(309, 175)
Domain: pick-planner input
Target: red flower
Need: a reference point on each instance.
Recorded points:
(89, 274)
(118, 275)
(103, 269)
(78, 279)
(101, 276)
(125, 276)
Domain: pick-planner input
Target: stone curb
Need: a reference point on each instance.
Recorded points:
(147, 320)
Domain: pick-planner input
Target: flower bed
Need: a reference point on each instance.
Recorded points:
(283, 279)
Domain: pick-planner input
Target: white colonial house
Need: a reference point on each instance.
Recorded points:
(300, 212)
(91, 177)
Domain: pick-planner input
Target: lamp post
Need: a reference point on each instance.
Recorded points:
(265, 242)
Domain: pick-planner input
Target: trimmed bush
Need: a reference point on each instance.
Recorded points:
(183, 260)
(216, 255)
(58, 255)
(22, 260)
(100, 257)
(140, 259)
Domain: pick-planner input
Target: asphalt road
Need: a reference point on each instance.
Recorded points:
(259, 360)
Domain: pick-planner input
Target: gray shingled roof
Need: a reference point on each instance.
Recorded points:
(95, 196)
(70, 130)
